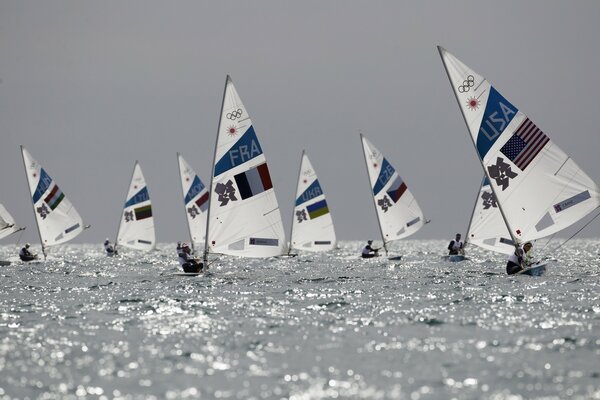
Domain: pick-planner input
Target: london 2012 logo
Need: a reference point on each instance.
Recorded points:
(467, 84)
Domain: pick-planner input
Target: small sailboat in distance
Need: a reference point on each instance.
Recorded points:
(56, 218)
(136, 227)
(539, 189)
(195, 199)
(312, 226)
(243, 214)
(398, 212)
(7, 227)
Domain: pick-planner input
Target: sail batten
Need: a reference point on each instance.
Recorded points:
(243, 216)
(312, 224)
(540, 190)
(136, 226)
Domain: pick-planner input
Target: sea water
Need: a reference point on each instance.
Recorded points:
(82, 325)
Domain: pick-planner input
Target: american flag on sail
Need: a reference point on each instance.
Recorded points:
(526, 143)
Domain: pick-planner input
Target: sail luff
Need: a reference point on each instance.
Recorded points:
(293, 207)
(485, 171)
(212, 173)
(362, 142)
(32, 204)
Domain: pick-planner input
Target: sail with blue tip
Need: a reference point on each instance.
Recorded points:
(195, 200)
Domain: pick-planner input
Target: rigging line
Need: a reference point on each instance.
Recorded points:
(582, 228)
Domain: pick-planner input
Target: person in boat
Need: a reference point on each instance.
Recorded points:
(515, 262)
(26, 255)
(456, 246)
(109, 248)
(368, 251)
(187, 260)
(527, 256)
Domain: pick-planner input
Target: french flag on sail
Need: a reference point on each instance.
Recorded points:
(525, 144)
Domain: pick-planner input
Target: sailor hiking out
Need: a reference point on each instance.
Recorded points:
(368, 251)
(26, 255)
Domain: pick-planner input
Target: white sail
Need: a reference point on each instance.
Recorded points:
(540, 188)
(398, 213)
(7, 223)
(487, 228)
(136, 229)
(195, 199)
(244, 217)
(57, 220)
(312, 225)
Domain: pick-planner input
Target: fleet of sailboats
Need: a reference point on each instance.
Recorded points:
(531, 189)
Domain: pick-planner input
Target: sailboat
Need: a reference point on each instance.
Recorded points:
(56, 218)
(312, 225)
(7, 227)
(243, 214)
(136, 227)
(195, 199)
(538, 188)
(398, 212)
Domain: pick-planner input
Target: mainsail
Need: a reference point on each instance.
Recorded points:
(243, 217)
(195, 199)
(7, 223)
(57, 220)
(136, 229)
(398, 213)
(487, 228)
(312, 226)
(539, 188)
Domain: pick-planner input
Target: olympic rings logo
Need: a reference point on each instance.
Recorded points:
(467, 84)
(235, 114)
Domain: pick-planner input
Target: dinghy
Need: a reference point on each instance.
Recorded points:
(538, 188)
(136, 226)
(56, 218)
(7, 227)
(398, 212)
(312, 226)
(243, 214)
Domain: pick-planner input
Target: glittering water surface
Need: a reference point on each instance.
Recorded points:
(311, 327)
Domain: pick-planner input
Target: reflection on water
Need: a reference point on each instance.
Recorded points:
(310, 327)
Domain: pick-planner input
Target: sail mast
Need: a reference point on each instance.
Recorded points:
(184, 210)
(212, 173)
(510, 231)
(294, 201)
(37, 225)
(362, 142)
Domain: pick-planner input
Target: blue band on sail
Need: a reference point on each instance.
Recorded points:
(314, 190)
(486, 181)
(43, 185)
(195, 190)
(140, 196)
(384, 176)
(243, 150)
(496, 117)
(264, 242)
(570, 202)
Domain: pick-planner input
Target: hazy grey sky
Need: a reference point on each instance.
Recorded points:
(89, 87)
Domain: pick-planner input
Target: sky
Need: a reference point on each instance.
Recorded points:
(89, 87)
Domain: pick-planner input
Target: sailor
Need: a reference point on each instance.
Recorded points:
(368, 251)
(187, 261)
(515, 262)
(527, 259)
(26, 255)
(108, 247)
(456, 246)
